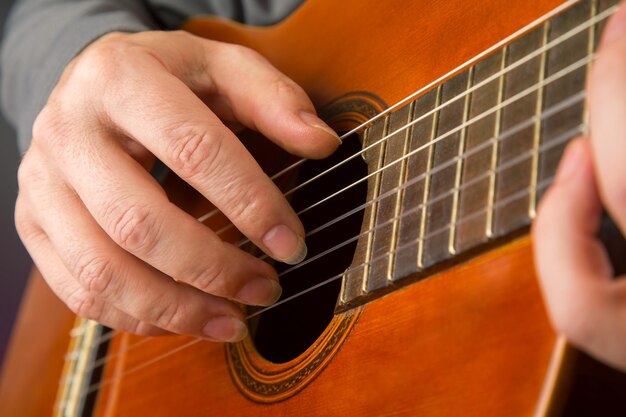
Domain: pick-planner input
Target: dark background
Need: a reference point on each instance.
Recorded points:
(14, 261)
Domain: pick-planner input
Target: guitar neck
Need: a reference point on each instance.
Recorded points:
(467, 162)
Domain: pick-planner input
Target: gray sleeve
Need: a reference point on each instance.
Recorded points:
(42, 36)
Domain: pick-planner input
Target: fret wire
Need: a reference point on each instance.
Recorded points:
(556, 108)
(491, 142)
(506, 70)
(508, 200)
(99, 385)
(371, 220)
(427, 177)
(565, 71)
(554, 12)
(343, 296)
(564, 104)
(489, 221)
(374, 207)
(512, 162)
(534, 171)
(459, 165)
(578, 29)
(554, 77)
(495, 143)
(395, 229)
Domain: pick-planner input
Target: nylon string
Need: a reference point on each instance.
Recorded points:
(562, 138)
(555, 42)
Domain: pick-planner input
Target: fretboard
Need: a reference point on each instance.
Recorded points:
(466, 163)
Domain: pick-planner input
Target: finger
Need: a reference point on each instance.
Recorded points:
(264, 99)
(573, 267)
(607, 122)
(183, 133)
(106, 271)
(134, 211)
(67, 289)
(240, 85)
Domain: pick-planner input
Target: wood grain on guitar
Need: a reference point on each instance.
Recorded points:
(439, 312)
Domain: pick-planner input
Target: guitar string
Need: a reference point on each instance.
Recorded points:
(512, 198)
(285, 300)
(565, 104)
(564, 72)
(599, 18)
(550, 45)
(579, 29)
(567, 4)
(555, 77)
(509, 164)
(509, 132)
(490, 142)
(561, 139)
(545, 48)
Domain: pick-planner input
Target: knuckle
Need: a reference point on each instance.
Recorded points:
(27, 228)
(285, 87)
(27, 173)
(210, 279)
(246, 204)
(24, 226)
(95, 273)
(83, 304)
(102, 62)
(104, 69)
(141, 328)
(181, 36)
(195, 153)
(133, 227)
(171, 316)
(49, 128)
(243, 53)
(42, 123)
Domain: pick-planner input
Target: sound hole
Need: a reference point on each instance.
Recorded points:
(286, 331)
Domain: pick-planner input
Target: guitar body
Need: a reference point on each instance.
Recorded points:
(472, 339)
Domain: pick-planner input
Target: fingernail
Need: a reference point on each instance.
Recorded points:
(260, 292)
(225, 329)
(571, 160)
(314, 121)
(285, 245)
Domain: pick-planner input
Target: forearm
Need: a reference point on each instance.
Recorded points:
(43, 36)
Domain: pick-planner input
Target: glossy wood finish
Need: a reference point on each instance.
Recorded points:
(389, 48)
(472, 341)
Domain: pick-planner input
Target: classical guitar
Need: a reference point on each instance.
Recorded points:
(418, 296)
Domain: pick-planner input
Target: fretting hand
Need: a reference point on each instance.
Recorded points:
(586, 304)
